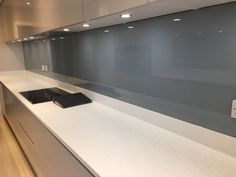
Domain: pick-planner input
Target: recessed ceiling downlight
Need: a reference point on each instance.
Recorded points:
(125, 16)
(86, 25)
(66, 29)
(28, 3)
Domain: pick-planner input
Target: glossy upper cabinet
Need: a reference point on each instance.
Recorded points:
(22, 20)
(97, 8)
(114, 6)
(59, 13)
(93, 9)
(16, 16)
(149, 1)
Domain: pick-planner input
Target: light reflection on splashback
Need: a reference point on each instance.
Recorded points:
(183, 68)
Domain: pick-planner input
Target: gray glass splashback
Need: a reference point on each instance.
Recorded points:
(185, 69)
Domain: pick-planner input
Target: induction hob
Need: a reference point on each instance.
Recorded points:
(43, 95)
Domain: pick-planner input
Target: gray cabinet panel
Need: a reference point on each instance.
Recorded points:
(9, 106)
(2, 108)
(12, 115)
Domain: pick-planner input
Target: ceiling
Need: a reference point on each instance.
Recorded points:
(157, 8)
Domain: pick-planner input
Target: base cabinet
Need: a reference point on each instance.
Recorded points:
(46, 154)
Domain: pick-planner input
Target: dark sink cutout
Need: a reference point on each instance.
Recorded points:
(43, 95)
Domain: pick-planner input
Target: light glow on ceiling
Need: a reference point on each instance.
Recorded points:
(177, 19)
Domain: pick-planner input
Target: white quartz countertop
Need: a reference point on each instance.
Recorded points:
(113, 144)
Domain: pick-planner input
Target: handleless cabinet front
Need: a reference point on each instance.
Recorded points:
(13, 116)
(50, 157)
(9, 106)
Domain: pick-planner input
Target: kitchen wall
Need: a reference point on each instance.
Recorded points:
(11, 55)
(184, 69)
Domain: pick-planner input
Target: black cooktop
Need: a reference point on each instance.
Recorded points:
(43, 95)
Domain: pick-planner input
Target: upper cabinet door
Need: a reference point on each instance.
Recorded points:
(153, 0)
(97, 8)
(93, 9)
(113, 6)
(22, 20)
(58, 13)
